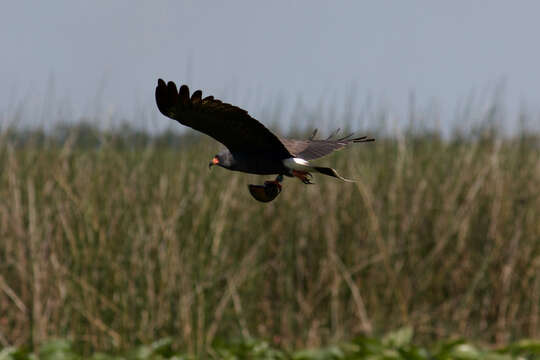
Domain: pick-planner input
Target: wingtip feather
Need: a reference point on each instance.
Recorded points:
(184, 94)
(196, 97)
(333, 134)
(363, 139)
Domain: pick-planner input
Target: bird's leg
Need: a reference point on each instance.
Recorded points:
(304, 176)
(277, 181)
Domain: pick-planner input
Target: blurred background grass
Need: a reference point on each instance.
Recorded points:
(114, 238)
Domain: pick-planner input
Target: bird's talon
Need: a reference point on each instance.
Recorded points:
(304, 176)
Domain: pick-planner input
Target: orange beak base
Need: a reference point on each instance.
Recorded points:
(214, 161)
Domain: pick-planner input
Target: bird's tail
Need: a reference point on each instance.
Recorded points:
(330, 172)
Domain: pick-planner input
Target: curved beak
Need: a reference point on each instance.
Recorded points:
(214, 161)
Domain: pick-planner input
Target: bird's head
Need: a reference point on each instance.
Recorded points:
(224, 159)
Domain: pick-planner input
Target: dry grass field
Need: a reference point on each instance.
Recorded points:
(113, 242)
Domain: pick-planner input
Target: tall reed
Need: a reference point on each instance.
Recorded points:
(114, 245)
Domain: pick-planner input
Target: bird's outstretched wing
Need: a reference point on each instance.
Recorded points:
(313, 148)
(228, 124)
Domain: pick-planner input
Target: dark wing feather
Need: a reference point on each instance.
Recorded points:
(312, 149)
(228, 124)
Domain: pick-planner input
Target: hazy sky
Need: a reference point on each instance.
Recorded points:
(98, 57)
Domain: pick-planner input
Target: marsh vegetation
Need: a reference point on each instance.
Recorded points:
(118, 238)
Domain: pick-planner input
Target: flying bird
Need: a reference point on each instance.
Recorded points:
(250, 146)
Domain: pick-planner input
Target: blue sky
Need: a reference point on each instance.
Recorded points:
(103, 57)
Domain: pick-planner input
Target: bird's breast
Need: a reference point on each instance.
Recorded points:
(261, 164)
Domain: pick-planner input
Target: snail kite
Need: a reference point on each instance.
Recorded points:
(251, 147)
